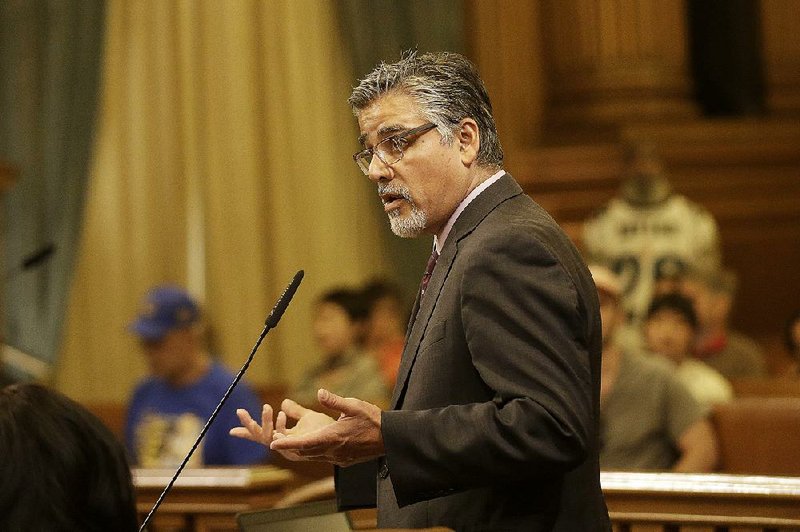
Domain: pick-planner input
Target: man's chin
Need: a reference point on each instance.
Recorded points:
(404, 232)
(408, 225)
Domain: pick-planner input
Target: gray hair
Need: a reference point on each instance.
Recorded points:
(447, 88)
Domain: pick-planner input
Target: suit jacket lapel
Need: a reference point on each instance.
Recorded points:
(475, 212)
(419, 322)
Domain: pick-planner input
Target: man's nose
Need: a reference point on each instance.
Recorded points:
(378, 170)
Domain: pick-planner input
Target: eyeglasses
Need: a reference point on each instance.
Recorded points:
(390, 149)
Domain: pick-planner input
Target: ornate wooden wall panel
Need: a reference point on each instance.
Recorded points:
(780, 21)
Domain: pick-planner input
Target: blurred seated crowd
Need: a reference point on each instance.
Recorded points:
(358, 332)
(662, 377)
(64, 469)
(670, 359)
(665, 380)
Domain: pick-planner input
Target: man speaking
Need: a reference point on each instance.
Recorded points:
(494, 418)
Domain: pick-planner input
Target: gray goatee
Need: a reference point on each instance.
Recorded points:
(409, 226)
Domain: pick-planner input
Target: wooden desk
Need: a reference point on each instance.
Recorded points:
(658, 502)
(206, 500)
(648, 501)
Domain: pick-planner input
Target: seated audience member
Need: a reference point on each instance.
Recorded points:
(61, 468)
(170, 407)
(649, 232)
(730, 352)
(344, 369)
(792, 341)
(384, 336)
(648, 419)
(669, 330)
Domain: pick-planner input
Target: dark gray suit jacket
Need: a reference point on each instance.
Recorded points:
(495, 411)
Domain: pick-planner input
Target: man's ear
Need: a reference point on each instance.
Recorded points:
(469, 140)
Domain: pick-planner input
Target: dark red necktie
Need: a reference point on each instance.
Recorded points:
(428, 272)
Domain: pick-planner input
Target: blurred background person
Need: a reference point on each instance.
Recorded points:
(649, 232)
(648, 418)
(730, 352)
(385, 331)
(344, 368)
(61, 468)
(169, 408)
(669, 331)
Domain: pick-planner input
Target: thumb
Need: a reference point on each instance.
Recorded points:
(347, 406)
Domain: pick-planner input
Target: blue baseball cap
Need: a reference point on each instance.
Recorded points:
(165, 308)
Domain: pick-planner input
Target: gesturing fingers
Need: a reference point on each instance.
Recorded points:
(293, 410)
(250, 430)
(241, 432)
(350, 407)
(266, 425)
(347, 406)
(280, 423)
(303, 445)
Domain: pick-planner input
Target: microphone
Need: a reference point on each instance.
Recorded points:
(283, 301)
(270, 323)
(34, 259)
(40, 256)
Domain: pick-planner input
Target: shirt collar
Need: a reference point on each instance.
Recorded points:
(438, 240)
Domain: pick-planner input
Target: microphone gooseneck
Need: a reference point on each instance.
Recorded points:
(30, 261)
(41, 255)
(270, 323)
(283, 302)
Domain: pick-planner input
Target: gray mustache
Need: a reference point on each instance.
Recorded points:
(394, 189)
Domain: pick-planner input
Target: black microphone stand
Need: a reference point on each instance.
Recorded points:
(30, 261)
(272, 321)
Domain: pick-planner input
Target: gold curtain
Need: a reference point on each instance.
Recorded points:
(222, 163)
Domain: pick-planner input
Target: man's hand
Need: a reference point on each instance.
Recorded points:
(307, 421)
(251, 430)
(354, 437)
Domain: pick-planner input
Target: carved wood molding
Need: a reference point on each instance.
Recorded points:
(741, 170)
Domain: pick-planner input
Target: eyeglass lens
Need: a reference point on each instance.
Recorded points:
(388, 151)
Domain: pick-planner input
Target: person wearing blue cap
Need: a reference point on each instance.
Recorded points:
(170, 407)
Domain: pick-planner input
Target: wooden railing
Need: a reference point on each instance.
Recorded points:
(668, 502)
(208, 500)
(205, 500)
